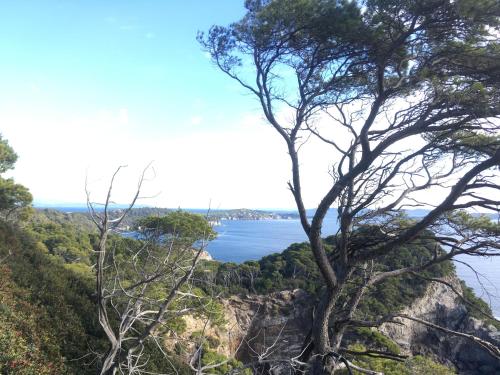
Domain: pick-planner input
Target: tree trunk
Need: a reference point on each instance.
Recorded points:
(109, 364)
(321, 363)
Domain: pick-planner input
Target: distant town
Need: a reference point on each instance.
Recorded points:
(247, 214)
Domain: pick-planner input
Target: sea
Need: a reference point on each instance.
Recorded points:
(241, 240)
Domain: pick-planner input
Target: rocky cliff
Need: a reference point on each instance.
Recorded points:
(441, 306)
(256, 327)
(273, 327)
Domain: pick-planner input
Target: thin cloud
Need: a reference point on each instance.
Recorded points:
(196, 120)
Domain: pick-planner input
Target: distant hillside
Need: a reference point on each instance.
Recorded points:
(79, 219)
(83, 220)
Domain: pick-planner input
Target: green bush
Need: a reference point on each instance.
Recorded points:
(417, 365)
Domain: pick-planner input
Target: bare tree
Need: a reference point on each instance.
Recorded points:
(144, 286)
(406, 95)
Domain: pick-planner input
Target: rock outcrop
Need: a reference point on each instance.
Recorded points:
(441, 306)
(273, 327)
(256, 327)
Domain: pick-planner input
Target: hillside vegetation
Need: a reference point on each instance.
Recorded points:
(294, 268)
(48, 321)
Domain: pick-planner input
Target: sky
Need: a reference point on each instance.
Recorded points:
(87, 86)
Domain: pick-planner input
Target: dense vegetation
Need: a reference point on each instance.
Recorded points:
(48, 315)
(48, 319)
(294, 268)
(47, 280)
(184, 226)
(411, 366)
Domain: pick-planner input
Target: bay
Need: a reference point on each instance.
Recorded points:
(242, 240)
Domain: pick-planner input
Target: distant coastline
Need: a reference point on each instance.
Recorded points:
(212, 214)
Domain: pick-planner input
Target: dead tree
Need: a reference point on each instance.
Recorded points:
(142, 287)
(406, 96)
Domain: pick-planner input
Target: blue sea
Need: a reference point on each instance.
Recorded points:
(241, 240)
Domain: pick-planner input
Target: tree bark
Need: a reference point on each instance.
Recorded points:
(320, 334)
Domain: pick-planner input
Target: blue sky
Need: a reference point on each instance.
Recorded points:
(141, 55)
(90, 85)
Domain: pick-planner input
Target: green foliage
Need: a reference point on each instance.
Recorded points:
(481, 225)
(417, 365)
(57, 299)
(44, 287)
(211, 357)
(183, 226)
(149, 268)
(395, 293)
(12, 196)
(63, 238)
(295, 268)
(291, 269)
(377, 340)
(23, 343)
(78, 220)
(7, 156)
(211, 309)
(478, 305)
(446, 55)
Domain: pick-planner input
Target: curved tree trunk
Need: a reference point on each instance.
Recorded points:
(320, 333)
(109, 364)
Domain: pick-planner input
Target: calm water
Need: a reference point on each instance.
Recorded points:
(241, 240)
